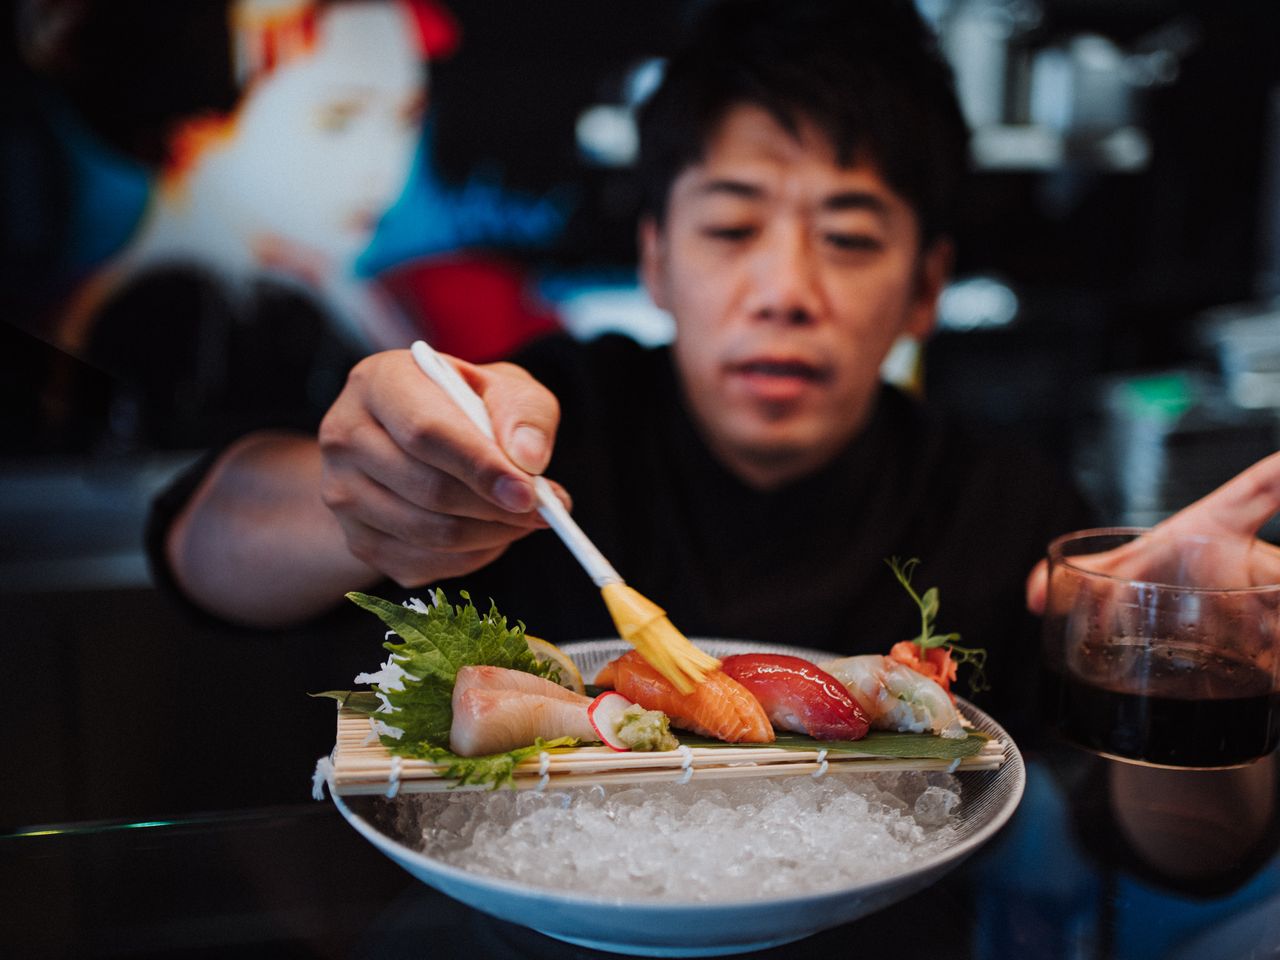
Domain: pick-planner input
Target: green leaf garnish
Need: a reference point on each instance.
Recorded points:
(929, 604)
(495, 770)
(359, 701)
(879, 743)
(430, 646)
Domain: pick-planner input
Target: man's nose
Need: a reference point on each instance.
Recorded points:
(784, 279)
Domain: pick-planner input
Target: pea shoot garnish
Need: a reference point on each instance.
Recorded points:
(949, 654)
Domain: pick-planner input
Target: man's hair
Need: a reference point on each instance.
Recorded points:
(868, 73)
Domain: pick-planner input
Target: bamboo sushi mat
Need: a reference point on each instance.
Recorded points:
(362, 765)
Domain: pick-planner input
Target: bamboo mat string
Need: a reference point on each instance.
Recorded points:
(393, 785)
(323, 774)
(686, 764)
(822, 764)
(544, 771)
(358, 768)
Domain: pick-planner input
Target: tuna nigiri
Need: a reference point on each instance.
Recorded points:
(495, 710)
(895, 697)
(718, 707)
(797, 695)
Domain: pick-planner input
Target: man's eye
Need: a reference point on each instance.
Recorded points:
(853, 241)
(729, 234)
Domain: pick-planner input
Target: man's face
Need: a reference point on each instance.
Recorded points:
(789, 278)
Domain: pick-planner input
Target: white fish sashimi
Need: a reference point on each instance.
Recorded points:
(496, 710)
(495, 721)
(896, 697)
(480, 677)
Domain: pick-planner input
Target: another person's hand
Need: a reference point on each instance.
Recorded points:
(1237, 510)
(420, 493)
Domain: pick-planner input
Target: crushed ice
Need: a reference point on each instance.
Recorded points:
(734, 840)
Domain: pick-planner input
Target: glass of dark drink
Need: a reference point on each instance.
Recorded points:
(1164, 649)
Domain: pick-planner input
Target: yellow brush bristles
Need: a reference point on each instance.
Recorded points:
(644, 625)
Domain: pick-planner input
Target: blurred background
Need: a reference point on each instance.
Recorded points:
(1116, 299)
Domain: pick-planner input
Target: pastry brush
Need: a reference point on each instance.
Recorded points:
(639, 620)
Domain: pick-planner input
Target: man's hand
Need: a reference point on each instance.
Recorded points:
(420, 493)
(1237, 510)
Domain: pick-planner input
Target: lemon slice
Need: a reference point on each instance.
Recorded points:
(570, 675)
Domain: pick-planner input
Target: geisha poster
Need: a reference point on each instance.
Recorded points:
(243, 196)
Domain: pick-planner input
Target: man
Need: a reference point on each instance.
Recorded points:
(801, 162)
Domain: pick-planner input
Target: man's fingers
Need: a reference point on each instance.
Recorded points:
(408, 565)
(525, 414)
(421, 492)
(394, 417)
(1038, 587)
(428, 426)
(562, 494)
(427, 487)
(367, 502)
(1242, 505)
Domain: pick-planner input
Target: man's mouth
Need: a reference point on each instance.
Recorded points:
(776, 379)
(781, 368)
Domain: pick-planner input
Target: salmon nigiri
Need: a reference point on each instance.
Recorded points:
(797, 695)
(718, 707)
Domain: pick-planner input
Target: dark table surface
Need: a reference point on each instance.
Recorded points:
(148, 810)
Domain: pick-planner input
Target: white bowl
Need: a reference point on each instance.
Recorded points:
(988, 799)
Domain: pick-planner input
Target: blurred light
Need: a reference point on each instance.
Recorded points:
(607, 135)
(643, 80)
(901, 365)
(90, 828)
(978, 303)
(606, 132)
(591, 305)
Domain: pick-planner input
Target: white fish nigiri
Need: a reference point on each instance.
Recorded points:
(896, 697)
(496, 710)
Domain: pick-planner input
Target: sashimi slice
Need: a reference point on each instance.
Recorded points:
(495, 721)
(798, 695)
(718, 707)
(483, 677)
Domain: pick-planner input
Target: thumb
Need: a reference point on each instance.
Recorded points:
(1038, 587)
(525, 414)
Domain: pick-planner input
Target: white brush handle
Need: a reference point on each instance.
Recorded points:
(549, 506)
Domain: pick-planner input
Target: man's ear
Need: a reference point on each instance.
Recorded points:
(652, 269)
(932, 273)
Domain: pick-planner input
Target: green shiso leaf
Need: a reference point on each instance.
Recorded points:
(359, 701)
(494, 771)
(430, 648)
(878, 743)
